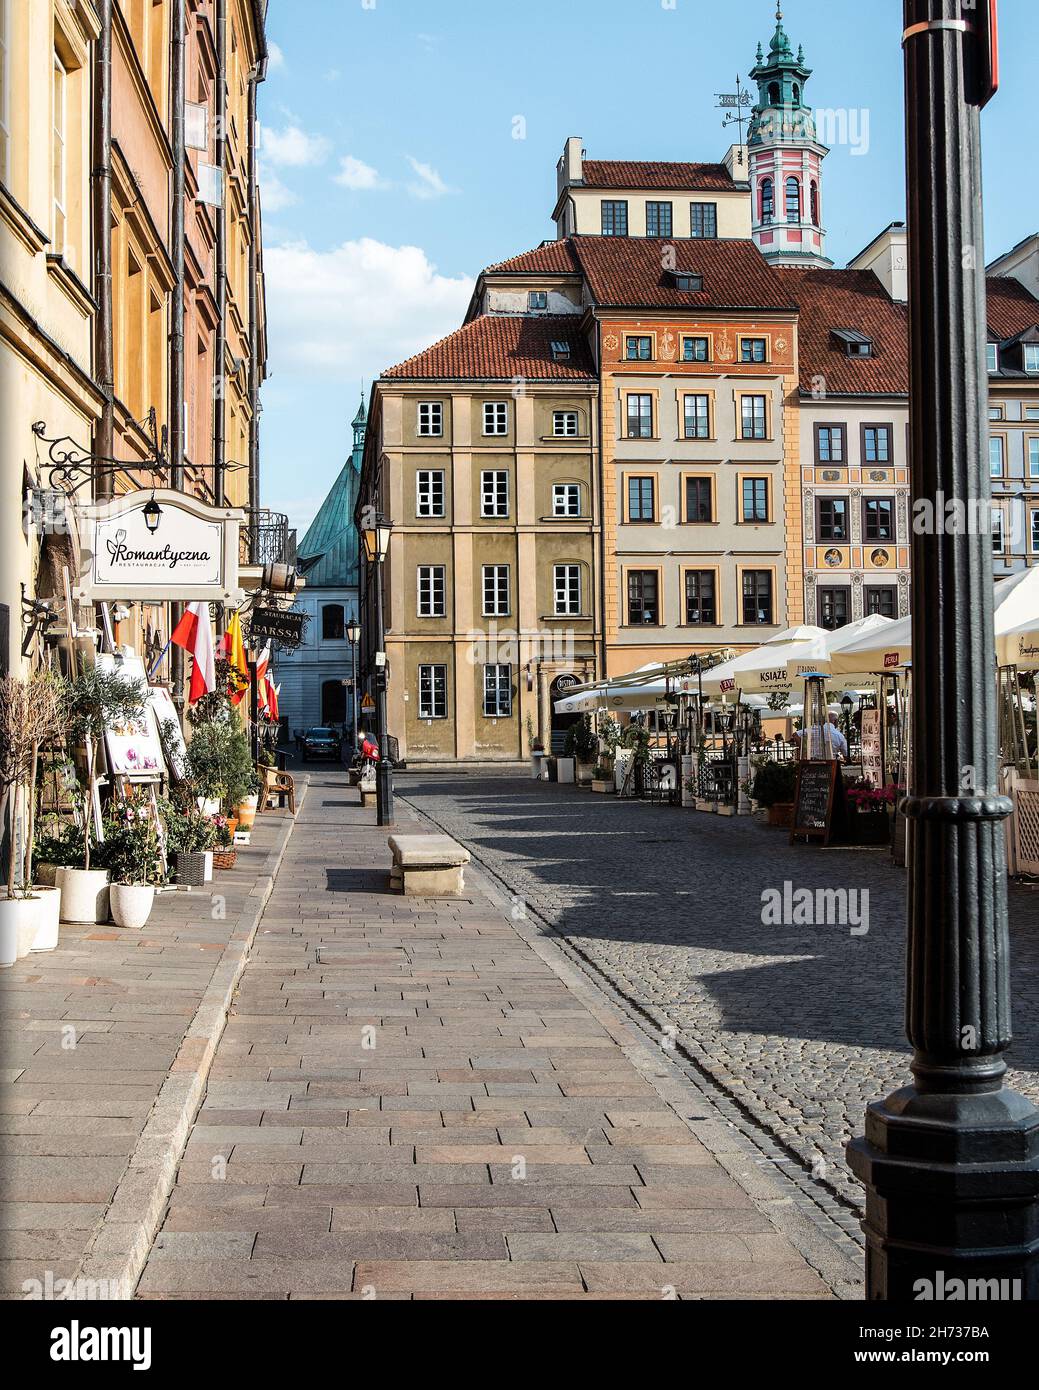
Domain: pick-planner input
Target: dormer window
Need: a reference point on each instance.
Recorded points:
(537, 299)
(854, 343)
(1031, 362)
(560, 352)
(992, 356)
(686, 280)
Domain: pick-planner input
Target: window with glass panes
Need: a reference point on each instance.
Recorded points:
(832, 518)
(496, 417)
(495, 591)
(641, 492)
(658, 219)
(753, 417)
(754, 506)
(564, 423)
(614, 217)
(697, 416)
(878, 519)
(881, 600)
(793, 200)
(757, 596)
(1033, 457)
(640, 417)
(497, 691)
(638, 348)
(992, 356)
(429, 488)
(566, 499)
(1032, 357)
(58, 158)
(432, 591)
(430, 418)
(537, 299)
(701, 608)
(997, 530)
(1034, 518)
(432, 692)
(829, 444)
(996, 455)
(566, 581)
(703, 219)
(699, 499)
(696, 349)
(876, 444)
(753, 350)
(643, 597)
(494, 492)
(834, 607)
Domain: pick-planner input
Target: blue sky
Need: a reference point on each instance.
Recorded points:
(391, 172)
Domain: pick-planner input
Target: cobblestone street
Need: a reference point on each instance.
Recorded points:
(802, 1026)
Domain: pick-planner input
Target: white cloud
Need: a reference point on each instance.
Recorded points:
(275, 195)
(356, 309)
(275, 57)
(354, 173)
(429, 184)
(292, 146)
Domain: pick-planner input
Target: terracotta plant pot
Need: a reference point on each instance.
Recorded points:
(46, 938)
(247, 812)
(84, 895)
(131, 904)
(781, 815)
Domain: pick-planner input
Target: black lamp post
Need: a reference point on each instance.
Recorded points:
(353, 636)
(951, 1161)
(376, 539)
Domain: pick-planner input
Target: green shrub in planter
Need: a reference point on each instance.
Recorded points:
(774, 784)
(219, 763)
(581, 742)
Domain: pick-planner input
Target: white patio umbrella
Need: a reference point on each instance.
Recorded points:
(1017, 620)
(763, 670)
(818, 661)
(878, 650)
(622, 693)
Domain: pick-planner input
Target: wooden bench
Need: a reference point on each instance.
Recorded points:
(278, 788)
(428, 866)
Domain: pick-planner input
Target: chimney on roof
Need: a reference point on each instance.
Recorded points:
(570, 168)
(736, 161)
(1021, 263)
(888, 257)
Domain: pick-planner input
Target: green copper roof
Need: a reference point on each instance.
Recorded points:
(332, 533)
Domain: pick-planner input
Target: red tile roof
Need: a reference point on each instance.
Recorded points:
(625, 173)
(500, 347)
(1011, 308)
(551, 257)
(627, 272)
(848, 299)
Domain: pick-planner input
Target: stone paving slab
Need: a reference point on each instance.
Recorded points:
(413, 1100)
(114, 1033)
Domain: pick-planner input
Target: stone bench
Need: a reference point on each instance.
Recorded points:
(427, 866)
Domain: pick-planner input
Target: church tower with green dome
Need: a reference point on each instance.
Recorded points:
(785, 158)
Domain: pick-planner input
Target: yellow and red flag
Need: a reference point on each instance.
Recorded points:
(234, 650)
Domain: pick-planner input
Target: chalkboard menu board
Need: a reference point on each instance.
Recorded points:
(817, 799)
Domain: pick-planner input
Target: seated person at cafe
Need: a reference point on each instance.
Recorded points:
(822, 740)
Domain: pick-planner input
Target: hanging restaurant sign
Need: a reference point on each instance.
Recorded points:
(159, 545)
(281, 626)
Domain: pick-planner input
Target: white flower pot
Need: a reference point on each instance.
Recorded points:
(131, 903)
(19, 918)
(247, 812)
(84, 895)
(46, 938)
(565, 769)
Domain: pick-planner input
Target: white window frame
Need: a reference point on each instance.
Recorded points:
(437, 687)
(749, 410)
(491, 493)
(561, 419)
(563, 494)
(992, 357)
(432, 591)
(429, 420)
(566, 583)
(59, 155)
(537, 294)
(1031, 351)
(497, 591)
(1034, 529)
(496, 418)
(1032, 457)
(998, 530)
(497, 691)
(425, 483)
(696, 416)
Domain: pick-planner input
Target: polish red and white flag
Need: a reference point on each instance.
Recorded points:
(195, 635)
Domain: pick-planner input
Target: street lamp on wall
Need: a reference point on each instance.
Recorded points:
(376, 541)
(353, 636)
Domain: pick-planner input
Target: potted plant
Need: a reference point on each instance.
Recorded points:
(774, 787)
(871, 808)
(247, 806)
(219, 767)
(190, 838)
(602, 778)
(131, 852)
(583, 746)
(94, 700)
(224, 852)
(25, 719)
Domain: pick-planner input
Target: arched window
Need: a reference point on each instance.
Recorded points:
(813, 196)
(775, 95)
(768, 200)
(333, 623)
(797, 95)
(793, 200)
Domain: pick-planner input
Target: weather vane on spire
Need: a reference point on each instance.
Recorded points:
(735, 104)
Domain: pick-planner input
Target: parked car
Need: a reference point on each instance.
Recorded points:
(321, 743)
